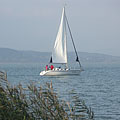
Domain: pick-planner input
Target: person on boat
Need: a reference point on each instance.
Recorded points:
(46, 67)
(51, 67)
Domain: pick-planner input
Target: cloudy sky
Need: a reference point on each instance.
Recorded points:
(33, 24)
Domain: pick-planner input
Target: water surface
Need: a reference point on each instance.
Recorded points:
(98, 85)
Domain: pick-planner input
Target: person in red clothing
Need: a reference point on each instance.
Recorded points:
(46, 67)
(51, 67)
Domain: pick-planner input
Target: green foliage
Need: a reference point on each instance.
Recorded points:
(37, 103)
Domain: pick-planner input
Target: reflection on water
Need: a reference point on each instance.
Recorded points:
(98, 86)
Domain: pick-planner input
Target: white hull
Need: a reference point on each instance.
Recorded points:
(60, 72)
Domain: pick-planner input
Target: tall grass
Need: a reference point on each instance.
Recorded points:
(39, 103)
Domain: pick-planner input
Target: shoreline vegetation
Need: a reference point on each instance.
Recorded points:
(38, 103)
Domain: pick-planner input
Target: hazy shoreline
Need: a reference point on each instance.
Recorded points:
(14, 56)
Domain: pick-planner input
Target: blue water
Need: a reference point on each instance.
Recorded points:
(98, 85)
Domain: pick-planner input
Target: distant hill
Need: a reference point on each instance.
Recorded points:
(10, 56)
(14, 56)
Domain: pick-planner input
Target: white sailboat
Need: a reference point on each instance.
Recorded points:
(59, 54)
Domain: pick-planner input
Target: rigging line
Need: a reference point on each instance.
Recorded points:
(73, 42)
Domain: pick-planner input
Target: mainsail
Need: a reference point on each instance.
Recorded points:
(59, 54)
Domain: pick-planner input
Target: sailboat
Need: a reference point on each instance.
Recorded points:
(59, 54)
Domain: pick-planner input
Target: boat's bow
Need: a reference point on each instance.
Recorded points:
(42, 73)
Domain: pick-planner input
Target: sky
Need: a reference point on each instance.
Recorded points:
(33, 24)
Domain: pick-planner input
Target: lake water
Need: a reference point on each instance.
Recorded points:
(98, 85)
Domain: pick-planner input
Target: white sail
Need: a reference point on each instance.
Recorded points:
(59, 54)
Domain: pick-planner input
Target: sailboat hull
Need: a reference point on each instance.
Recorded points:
(60, 72)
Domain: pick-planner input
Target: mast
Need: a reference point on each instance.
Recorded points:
(65, 38)
(77, 58)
